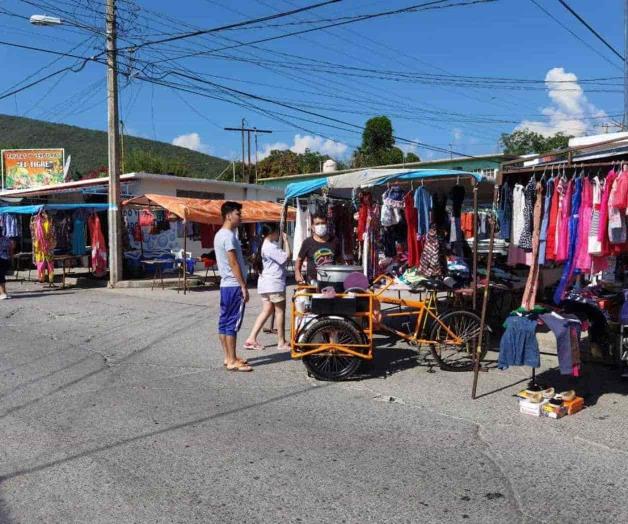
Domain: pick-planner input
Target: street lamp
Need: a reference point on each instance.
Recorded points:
(45, 20)
(113, 135)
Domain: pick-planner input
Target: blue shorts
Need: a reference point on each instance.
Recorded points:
(231, 311)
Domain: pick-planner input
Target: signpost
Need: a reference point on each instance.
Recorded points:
(32, 168)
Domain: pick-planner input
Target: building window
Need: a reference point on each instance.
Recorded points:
(204, 195)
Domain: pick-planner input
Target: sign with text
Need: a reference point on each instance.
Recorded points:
(31, 168)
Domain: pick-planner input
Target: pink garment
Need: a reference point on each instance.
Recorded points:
(619, 192)
(99, 248)
(602, 234)
(582, 257)
(562, 247)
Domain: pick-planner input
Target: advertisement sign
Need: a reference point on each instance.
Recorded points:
(31, 168)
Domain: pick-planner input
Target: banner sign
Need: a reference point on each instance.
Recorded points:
(32, 168)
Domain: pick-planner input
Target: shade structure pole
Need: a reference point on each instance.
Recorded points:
(475, 245)
(185, 257)
(487, 287)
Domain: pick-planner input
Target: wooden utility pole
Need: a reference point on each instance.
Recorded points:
(113, 134)
(248, 131)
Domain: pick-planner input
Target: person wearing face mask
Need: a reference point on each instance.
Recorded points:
(271, 286)
(319, 250)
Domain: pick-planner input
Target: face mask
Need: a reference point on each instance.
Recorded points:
(320, 230)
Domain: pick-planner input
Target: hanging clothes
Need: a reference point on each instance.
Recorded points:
(392, 204)
(518, 345)
(569, 267)
(562, 246)
(529, 293)
(550, 243)
(300, 229)
(9, 225)
(567, 330)
(208, 232)
(517, 214)
(44, 243)
(79, 234)
(504, 212)
(99, 248)
(440, 217)
(594, 246)
(366, 202)
(525, 241)
(412, 221)
(547, 204)
(423, 206)
(583, 259)
(617, 231)
(433, 262)
(602, 235)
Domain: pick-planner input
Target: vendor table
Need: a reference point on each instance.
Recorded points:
(19, 257)
(65, 261)
(157, 265)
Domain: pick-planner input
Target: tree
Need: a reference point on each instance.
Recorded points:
(525, 141)
(283, 163)
(378, 145)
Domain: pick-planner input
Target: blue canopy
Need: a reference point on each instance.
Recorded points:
(371, 178)
(34, 209)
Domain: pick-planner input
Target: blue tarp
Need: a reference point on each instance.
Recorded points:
(297, 189)
(34, 209)
(370, 178)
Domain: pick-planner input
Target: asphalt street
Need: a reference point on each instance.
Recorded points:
(115, 407)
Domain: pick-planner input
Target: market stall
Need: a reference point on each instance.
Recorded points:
(188, 211)
(565, 225)
(400, 223)
(57, 234)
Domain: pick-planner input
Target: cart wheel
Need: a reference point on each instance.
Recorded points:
(466, 325)
(332, 365)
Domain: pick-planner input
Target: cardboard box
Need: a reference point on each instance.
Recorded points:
(531, 408)
(552, 411)
(575, 405)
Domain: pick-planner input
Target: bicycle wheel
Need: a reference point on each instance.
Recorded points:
(453, 357)
(332, 365)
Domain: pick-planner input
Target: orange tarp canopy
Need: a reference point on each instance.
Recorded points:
(208, 211)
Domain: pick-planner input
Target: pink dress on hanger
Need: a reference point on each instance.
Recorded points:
(583, 259)
(562, 245)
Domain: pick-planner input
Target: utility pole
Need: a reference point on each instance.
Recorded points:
(113, 135)
(625, 122)
(248, 131)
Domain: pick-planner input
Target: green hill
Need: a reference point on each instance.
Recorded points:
(89, 149)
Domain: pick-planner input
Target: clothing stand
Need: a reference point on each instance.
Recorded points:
(489, 263)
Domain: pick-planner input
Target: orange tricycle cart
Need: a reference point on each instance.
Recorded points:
(334, 335)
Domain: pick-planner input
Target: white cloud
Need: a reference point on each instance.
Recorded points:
(409, 148)
(457, 134)
(570, 112)
(191, 141)
(300, 143)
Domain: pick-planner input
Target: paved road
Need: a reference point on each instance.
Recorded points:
(115, 407)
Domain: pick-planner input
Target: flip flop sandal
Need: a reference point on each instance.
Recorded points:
(243, 368)
(243, 360)
(253, 346)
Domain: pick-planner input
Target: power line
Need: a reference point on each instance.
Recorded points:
(231, 26)
(572, 33)
(588, 26)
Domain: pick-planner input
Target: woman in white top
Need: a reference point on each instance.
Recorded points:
(271, 286)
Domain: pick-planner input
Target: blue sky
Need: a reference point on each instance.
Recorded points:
(380, 66)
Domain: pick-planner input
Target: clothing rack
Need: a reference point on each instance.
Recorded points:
(564, 164)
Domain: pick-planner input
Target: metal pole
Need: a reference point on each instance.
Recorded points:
(256, 156)
(242, 168)
(233, 165)
(489, 263)
(113, 214)
(185, 257)
(475, 244)
(625, 122)
(248, 167)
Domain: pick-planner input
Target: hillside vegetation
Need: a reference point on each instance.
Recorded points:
(88, 148)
